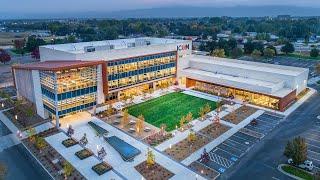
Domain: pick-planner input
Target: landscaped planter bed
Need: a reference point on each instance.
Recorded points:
(157, 138)
(83, 154)
(155, 172)
(239, 114)
(184, 148)
(204, 170)
(48, 155)
(69, 142)
(297, 172)
(101, 168)
(214, 130)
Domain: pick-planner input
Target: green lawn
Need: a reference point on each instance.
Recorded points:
(169, 109)
(297, 172)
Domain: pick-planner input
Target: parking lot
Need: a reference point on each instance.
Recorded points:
(291, 61)
(228, 153)
(312, 137)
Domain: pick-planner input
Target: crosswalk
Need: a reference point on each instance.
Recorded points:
(220, 160)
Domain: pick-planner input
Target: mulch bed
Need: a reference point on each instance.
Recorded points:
(156, 172)
(204, 171)
(239, 114)
(214, 130)
(24, 121)
(50, 158)
(157, 138)
(184, 148)
(6, 104)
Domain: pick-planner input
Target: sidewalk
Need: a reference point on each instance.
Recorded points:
(196, 155)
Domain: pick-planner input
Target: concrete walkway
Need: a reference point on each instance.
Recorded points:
(196, 155)
(197, 126)
(125, 169)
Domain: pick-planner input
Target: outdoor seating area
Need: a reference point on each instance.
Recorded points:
(131, 127)
(49, 157)
(186, 147)
(239, 114)
(154, 172)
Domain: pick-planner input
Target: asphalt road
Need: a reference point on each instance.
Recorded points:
(262, 160)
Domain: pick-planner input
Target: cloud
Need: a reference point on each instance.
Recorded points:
(35, 6)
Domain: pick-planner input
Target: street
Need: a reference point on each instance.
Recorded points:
(262, 160)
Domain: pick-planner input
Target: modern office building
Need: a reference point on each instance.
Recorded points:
(77, 76)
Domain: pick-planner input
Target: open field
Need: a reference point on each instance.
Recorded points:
(169, 109)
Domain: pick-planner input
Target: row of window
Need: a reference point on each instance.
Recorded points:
(64, 112)
(69, 94)
(142, 58)
(76, 93)
(141, 71)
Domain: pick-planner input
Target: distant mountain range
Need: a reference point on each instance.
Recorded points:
(177, 12)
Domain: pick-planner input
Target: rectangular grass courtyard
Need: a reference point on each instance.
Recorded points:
(169, 109)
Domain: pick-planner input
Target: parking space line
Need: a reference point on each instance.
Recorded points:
(318, 131)
(228, 152)
(318, 160)
(243, 138)
(234, 148)
(312, 139)
(314, 152)
(313, 145)
(238, 143)
(269, 122)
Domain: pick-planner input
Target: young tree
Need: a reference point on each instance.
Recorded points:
(189, 117)
(19, 45)
(269, 53)
(207, 108)
(236, 52)
(150, 158)
(68, 169)
(35, 54)
(297, 150)
(40, 143)
(192, 137)
(248, 47)
(140, 124)
(318, 68)
(125, 118)
(314, 52)
(4, 56)
(3, 170)
(218, 53)
(287, 48)
(182, 121)
(202, 113)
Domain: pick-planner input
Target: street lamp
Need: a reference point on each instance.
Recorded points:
(2, 105)
(16, 117)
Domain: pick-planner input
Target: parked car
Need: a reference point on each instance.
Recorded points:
(307, 165)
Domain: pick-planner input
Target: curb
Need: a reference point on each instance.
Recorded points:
(288, 174)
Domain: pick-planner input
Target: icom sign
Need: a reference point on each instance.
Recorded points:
(183, 47)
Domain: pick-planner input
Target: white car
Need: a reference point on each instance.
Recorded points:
(307, 165)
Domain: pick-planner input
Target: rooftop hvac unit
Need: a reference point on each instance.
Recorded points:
(89, 49)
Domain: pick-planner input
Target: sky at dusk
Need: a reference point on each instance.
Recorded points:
(40, 6)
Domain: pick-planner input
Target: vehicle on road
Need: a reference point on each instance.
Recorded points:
(307, 165)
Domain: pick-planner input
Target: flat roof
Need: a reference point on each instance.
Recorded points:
(112, 44)
(254, 85)
(256, 66)
(56, 65)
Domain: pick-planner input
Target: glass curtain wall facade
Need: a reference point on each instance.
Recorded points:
(131, 71)
(68, 91)
(251, 97)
